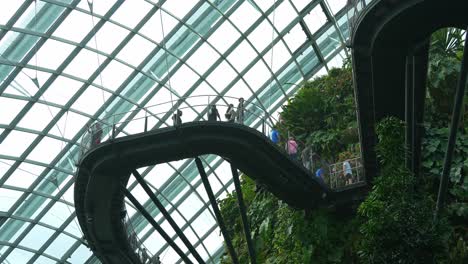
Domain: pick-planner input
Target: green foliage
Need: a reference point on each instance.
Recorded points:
(284, 235)
(444, 66)
(322, 113)
(396, 216)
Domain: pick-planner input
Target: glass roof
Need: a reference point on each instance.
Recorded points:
(66, 63)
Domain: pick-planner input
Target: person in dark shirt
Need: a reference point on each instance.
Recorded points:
(230, 114)
(176, 118)
(213, 113)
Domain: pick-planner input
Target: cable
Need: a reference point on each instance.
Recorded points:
(35, 29)
(272, 53)
(90, 5)
(165, 57)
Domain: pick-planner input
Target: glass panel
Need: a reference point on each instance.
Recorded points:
(8, 9)
(39, 16)
(183, 79)
(57, 214)
(336, 5)
(24, 175)
(68, 125)
(242, 56)
(84, 64)
(8, 199)
(315, 19)
(178, 10)
(153, 28)
(46, 150)
(99, 7)
(16, 143)
(36, 237)
(221, 76)
(45, 260)
(203, 58)
(10, 108)
(300, 4)
(61, 90)
(257, 75)
(264, 5)
(213, 241)
(262, 35)
(131, 12)
(245, 16)
(224, 37)
(45, 58)
(329, 42)
(19, 256)
(60, 246)
(81, 254)
(295, 38)
(283, 15)
(108, 38)
(38, 117)
(136, 50)
(91, 100)
(75, 26)
(113, 75)
(279, 57)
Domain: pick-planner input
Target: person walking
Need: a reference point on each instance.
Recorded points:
(240, 111)
(230, 114)
(213, 114)
(306, 157)
(96, 133)
(291, 148)
(176, 117)
(347, 172)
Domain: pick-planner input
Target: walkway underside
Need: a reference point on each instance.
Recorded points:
(105, 169)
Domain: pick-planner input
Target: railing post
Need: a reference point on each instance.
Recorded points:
(146, 123)
(113, 131)
(263, 126)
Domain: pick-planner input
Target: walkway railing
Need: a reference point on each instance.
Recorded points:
(197, 108)
(137, 246)
(172, 113)
(340, 175)
(355, 9)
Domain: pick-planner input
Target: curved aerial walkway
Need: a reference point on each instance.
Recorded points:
(104, 171)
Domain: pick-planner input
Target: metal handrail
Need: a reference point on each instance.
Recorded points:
(103, 130)
(336, 174)
(356, 8)
(174, 105)
(136, 245)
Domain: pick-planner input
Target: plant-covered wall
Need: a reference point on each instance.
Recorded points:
(395, 223)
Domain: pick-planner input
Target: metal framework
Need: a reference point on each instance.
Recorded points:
(32, 31)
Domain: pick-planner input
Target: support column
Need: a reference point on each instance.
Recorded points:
(167, 216)
(242, 209)
(218, 215)
(158, 228)
(409, 103)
